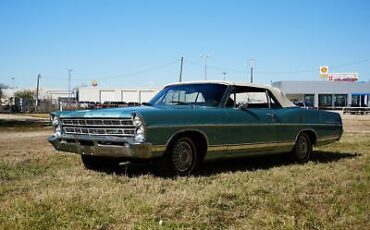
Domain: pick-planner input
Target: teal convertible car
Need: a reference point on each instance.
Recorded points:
(188, 123)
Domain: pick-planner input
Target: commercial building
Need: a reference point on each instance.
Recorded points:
(44, 94)
(101, 95)
(327, 94)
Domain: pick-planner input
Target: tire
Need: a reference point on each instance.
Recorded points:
(97, 163)
(180, 159)
(303, 148)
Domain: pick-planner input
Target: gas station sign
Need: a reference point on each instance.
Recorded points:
(347, 77)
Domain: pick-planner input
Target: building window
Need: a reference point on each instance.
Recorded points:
(325, 100)
(356, 101)
(340, 100)
(309, 100)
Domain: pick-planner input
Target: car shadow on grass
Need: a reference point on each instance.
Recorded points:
(267, 162)
(233, 164)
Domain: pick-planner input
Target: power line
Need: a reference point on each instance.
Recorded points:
(277, 72)
(140, 71)
(219, 68)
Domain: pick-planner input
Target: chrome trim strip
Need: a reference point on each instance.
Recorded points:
(247, 146)
(328, 138)
(239, 125)
(95, 131)
(103, 122)
(158, 148)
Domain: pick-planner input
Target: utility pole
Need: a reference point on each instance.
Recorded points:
(205, 57)
(224, 73)
(252, 63)
(13, 91)
(181, 65)
(37, 90)
(69, 86)
(13, 87)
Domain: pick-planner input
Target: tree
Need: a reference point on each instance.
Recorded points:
(27, 94)
(2, 86)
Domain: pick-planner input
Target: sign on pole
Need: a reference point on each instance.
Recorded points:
(324, 70)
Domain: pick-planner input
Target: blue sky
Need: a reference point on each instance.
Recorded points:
(139, 43)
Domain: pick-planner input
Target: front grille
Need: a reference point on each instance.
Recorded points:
(99, 127)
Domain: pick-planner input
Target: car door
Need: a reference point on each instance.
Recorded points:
(251, 122)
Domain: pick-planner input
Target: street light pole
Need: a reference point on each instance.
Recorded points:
(69, 86)
(181, 65)
(252, 63)
(205, 57)
(37, 90)
(224, 73)
(13, 87)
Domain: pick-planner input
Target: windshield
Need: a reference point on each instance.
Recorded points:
(190, 94)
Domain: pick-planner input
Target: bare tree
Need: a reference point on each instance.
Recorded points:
(2, 87)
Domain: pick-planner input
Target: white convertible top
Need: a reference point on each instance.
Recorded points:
(279, 95)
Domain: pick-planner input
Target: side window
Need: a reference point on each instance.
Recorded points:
(273, 102)
(250, 97)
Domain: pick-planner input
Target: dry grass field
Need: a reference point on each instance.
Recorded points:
(43, 189)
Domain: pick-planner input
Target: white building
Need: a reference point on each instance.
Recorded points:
(44, 94)
(327, 94)
(97, 94)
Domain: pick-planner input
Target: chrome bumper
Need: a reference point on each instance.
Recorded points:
(98, 146)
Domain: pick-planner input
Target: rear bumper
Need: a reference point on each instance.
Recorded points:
(98, 146)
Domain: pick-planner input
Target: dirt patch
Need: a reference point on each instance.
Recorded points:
(12, 116)
(356, 123)
(22, 136)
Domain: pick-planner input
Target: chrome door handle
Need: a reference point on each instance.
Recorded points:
(270, 115)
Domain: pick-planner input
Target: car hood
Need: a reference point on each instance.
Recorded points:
(101, 113)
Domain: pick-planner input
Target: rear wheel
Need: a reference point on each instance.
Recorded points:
(181, 159)
(302, 148)
(98, 163)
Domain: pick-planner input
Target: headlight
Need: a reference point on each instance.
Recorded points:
(139, 128)
(137, 121)
(55, 121)
(57, 126)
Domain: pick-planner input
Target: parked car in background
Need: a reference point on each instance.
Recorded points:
(188, 123)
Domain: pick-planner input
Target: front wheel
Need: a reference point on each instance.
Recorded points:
(302, 148)
(181, 159)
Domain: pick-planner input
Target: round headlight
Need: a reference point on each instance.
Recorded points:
(55, 121)
(137, 121)
(139, 128)
(139, 136)
(58, 131)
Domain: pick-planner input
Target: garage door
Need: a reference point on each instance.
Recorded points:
(146, 95)
(129, 96)
(107, 96)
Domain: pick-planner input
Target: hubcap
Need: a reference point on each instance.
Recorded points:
(182, 156)
(302, 147)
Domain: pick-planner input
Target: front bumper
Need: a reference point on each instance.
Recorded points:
(101, 146)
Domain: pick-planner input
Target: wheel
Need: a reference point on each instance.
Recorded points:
(303, 148)
(98, 163)
(180, 159)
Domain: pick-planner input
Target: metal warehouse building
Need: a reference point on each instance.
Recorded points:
(96, 94)
(327, 94)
